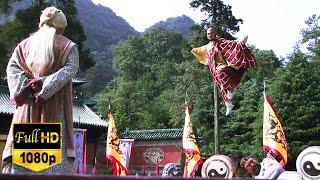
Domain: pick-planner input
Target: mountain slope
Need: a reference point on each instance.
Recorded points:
(14, 7)
(181, 23)
(101, 25)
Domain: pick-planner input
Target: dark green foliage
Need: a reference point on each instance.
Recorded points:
(98, 77)
(311, 35)
(241, 133)
(267, 63)
(164, 44)
(145, 67)
(219, 15)
(104, 30)
(194, 84)
(26, 23)
(295, 92)
(130, 59)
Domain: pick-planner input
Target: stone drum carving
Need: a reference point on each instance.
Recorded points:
(172, 169)
(308, 163)
(218, 166)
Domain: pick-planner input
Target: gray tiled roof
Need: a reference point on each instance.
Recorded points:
(155, 134)
(5, 106)
(79, 80)
(85, 115)
(81, 113)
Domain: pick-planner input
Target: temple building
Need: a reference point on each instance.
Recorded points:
(153, 149)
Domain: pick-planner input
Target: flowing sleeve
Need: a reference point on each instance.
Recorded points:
(237, 54)
(17, 80)
(200, 53)
(54, 82)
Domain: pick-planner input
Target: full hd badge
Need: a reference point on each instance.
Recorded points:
(37, 146)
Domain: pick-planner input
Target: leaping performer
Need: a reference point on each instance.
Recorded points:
(227, 61)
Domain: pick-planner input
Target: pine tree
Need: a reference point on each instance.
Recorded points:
(296, 95)
(219, 15)
(145, 67)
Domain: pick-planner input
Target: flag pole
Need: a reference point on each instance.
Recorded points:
(216, 120)
(185, 99)
(109, 106)
(109, 110)
(264, 87)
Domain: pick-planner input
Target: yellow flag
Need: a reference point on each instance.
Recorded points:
(190, 148)
(274, 140)
(113, 152)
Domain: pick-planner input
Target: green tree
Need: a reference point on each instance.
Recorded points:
(98, 77)
(194, 84)
(131, 59)
(296, 95)
(267, 64)
(219, 15)
(245, 123)
(145, 67)
(311, 35)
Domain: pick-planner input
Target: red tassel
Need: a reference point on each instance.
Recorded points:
(94, 170)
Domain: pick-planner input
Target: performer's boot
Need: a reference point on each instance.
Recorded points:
(229, 107)
(229, 95)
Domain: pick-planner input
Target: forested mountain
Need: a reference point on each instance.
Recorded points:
(101, 25)
(11, 9)
(181, 24)
(104, 30)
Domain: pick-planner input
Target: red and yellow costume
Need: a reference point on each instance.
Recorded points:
(227, 61)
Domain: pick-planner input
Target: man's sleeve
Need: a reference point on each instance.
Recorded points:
(200, 53)
(57, 80)
(17, 81)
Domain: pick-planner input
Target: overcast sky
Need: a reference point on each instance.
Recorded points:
(270, 24)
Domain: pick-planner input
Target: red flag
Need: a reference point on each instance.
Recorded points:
(190, 148)
(274, 140)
